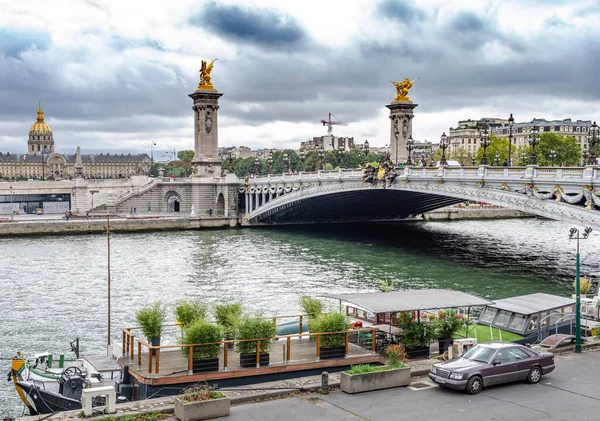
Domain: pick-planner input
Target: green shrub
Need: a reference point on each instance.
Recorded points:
(396, 356)
(447, 324)
(189, 311)
(151, 319)
(201, 332)
(366, 368)
(228, 315)
(329, 322)
(311, 306)
(254, 327)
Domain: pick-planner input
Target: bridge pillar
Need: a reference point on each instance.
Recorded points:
(251, 204)
(206, 160)
(246, 204)
(401, 115)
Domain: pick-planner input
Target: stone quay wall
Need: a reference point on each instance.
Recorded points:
(453, 213)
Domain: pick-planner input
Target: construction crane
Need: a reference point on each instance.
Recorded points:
(330, 123)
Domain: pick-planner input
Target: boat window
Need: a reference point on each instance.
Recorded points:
(533, 323)
(503, 318)
(488, 315)
(543, 320)
(555, 317)
(517, 322)
(568, 309)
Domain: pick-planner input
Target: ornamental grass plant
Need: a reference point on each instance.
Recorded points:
(329, 322)
(254, 327)
(202, 332)
(188, 311)
(151, 319)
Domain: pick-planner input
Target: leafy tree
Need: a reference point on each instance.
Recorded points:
(566, 148)
(185, 155)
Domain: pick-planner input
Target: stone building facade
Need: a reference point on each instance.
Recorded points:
(41, 161)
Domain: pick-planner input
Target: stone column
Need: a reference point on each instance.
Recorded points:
(401, 115)
(206, 160)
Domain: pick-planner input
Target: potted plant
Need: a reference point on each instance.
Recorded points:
(205, 357)
(188, 311)
(365, 377)
(254, 327)
(585, 285)
(228, 316)
(331, 346)
(151, 319)
(201, 403)
(311, 306)
(446, 325)
(417, 335)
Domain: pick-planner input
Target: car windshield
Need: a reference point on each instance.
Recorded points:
(479, 353)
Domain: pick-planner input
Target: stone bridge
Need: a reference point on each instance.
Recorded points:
(565, 194)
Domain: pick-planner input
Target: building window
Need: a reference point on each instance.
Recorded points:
(38, 148)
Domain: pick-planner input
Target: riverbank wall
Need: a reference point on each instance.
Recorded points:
(83, 226)
(454, 214)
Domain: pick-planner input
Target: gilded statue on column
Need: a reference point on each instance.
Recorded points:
(402, 89)
(205, 81)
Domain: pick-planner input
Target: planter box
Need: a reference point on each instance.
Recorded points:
(357, 383)
(332, 352)
(418, 353)
(154, 342)
(200, 366)
(192, 411)
(249, 361)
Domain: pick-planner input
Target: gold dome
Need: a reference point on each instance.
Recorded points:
(40, 126)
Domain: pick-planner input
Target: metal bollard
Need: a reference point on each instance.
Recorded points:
(325, 382)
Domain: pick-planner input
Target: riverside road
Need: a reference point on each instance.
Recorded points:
(571, 392)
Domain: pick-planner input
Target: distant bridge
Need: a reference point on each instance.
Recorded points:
(565, 194)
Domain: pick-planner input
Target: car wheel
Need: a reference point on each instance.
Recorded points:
(474, 385)
(535, 375)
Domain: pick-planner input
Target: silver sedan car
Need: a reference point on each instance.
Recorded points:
(492, 363)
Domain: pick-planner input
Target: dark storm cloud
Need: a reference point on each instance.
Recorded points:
(14, 41)
(259, 26)
(399, 10)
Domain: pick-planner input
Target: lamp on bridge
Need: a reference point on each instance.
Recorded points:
(444, 142)
(523, 158)
(511, 121)
(410, 145)
(593, 139)
(552, 156)
(270, 161)
(302, 156)
(485, 142)
(497, 159)
(574, 235)
(341, 150)
(256, 166)
(286, 163)
(366, 147)
(474, 160)
(534, 139)
(321, 153)
(585, 153)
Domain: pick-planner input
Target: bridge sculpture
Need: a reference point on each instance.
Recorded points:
(565, 194)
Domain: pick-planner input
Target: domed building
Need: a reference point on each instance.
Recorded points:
(42, 162)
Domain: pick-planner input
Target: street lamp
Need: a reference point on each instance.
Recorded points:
(341, 149)
(585, 153)
(534, 139)
(270, 161)
(321, 153)
(152, 145)
(497, 159)
(485, 142)
(366, 147)
(12, 212)
(574, 235)
(286, 163)
(552, 156)
(523, 158)
(44, 163)
(410, 145)
(474, 160)
(593, 140)
(444, 142)
(256, 166)
(302, 156)
(511, 121)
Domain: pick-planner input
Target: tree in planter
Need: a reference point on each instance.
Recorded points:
(417, 334)
(228, 316)
(151, 319)
(332, 346)
(254, 327)
(446, 325)
(311, 306)
(205, 356)
(188, 311)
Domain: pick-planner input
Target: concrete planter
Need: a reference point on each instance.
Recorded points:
(204, 410)
(357, 383)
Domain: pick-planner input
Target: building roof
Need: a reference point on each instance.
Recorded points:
(532, 303)
(85, 158)
(40, 126)
(423, 299)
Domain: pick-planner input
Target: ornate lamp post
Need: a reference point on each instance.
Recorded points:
(574, 235)
(444, 143)
(366, 147)
(534, 139)
(511, 121)
(585, 153)
(473, 160)
(286, 163)
(270, 161)
(410, 145)
(302, 156)
(523, 158)
(593, 139)
(256, 166)
(497, 159)
(321, 153)
(341, 150)
(485, 142)
(552, 156)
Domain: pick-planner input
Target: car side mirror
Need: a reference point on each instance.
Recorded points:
(495, 363)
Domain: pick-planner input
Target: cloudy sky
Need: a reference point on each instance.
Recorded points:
(113, 76)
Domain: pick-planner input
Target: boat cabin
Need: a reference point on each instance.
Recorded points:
(527, 315)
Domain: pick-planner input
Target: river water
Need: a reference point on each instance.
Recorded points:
(53, 289)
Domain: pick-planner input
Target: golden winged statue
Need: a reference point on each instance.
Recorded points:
(402, 89)
(205, 81)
